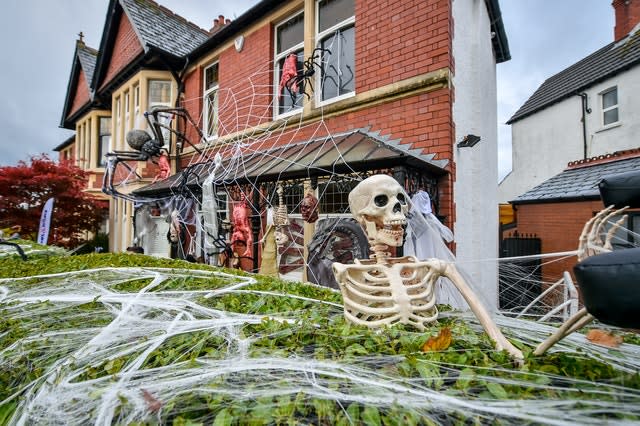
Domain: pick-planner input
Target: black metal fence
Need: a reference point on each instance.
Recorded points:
(520, 279)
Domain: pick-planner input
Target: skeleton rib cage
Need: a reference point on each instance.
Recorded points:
(377, 294)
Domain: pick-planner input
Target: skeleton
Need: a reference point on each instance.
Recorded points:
(590, 243)
(386, 290)
(281, 219)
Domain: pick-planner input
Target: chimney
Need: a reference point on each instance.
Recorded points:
(219, 23)
(627, 17)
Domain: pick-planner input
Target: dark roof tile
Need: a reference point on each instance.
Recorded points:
(604, 63)
(577, 183)
(87, 57)
(160, 28)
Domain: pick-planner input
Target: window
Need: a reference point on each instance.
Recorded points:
(127, 112)
(104, 140)
(210, 102)
(289, 56)
(610, 106)
(160, 96)
(136, 107)
(336, 34)
(159, 93)
(118, 142)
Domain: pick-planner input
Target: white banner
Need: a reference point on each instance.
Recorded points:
(45, 221)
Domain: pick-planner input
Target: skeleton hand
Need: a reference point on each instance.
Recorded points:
(590, 241)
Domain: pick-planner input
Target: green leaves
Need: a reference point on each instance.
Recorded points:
(462, 365)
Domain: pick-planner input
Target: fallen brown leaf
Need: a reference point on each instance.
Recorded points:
(604, 338)
(153, 404)
(438, 343)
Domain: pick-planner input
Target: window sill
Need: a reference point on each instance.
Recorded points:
(288, 114)
(336, 99)
(609, 127)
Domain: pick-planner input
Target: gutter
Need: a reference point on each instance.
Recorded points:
(594, 197)
(585, 110)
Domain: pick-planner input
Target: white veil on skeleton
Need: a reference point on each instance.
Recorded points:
(425, 239)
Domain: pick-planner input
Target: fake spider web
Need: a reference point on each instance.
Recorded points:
(245, 376)
(249, 132)
(97, 338)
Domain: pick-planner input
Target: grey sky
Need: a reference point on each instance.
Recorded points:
(37, 42)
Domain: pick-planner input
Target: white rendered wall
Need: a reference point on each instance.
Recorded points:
(543, 143)
(475, 112)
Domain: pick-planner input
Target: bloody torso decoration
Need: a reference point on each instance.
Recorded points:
(309, 208)
(242, 227)
(289, 74)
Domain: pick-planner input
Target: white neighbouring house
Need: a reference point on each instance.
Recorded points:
(591, 108)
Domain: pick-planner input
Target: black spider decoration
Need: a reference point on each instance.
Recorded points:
(146, 147)
(303, 77)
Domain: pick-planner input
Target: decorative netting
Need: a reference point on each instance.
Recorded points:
(140, 345)
(151, 345)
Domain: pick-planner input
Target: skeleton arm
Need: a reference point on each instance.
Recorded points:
(449, 270)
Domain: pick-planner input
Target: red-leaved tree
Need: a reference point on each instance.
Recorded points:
(25, 188)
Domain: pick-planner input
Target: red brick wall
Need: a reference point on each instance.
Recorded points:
(395, 40)
(82, 94)
(125, 48)
(399, 39)
(558, 225)
(248, 75)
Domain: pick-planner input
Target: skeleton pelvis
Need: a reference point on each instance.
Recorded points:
(375, 295)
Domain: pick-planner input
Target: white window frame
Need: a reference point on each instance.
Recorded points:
(137, 116)
(127, 112)
(276, 69)
(103, 150)
(118, 143)
(319, 36)
(611, 108)
(206, 92)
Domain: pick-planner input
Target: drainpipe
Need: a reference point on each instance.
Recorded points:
(585, 110)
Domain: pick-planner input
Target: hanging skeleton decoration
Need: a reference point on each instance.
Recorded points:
(281, 219)
(386, 290)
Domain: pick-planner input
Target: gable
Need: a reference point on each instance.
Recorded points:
(79, 90)
(81, 95)
(126, 48)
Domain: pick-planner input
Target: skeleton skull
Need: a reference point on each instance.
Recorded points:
(379, 204)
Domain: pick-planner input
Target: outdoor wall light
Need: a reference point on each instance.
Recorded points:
(468, 141)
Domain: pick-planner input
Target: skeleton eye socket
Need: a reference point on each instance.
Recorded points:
(401, 199)
(381, 200)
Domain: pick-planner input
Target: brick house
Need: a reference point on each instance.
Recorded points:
(396, 90)
(557, 209)
(92, 124)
